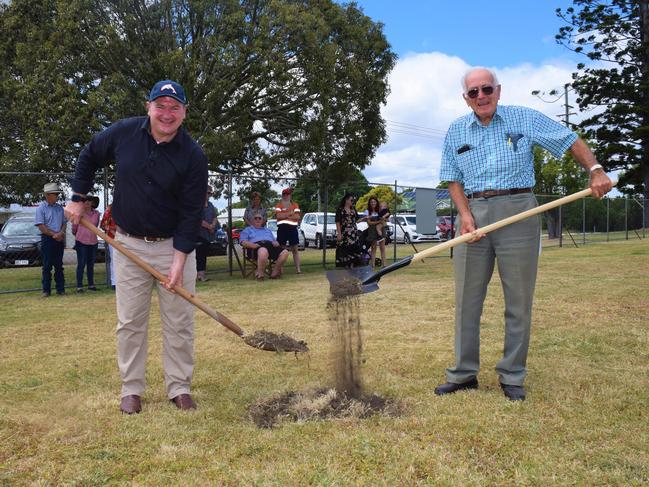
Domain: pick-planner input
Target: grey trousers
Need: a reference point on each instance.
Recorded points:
(133, 295)
(515, 248)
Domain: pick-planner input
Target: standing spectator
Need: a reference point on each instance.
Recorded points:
(50, 220)
(287, 213)
(348, 245)
(374, 222)
(159, 196)
(109, 226)
(205, 236)
(488, 161)
(255, 208)
(86, 244)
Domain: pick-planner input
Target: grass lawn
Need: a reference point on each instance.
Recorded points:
(585, 421)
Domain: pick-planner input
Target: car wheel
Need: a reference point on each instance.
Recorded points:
(318, 241)
(235, 241)
(406, 238)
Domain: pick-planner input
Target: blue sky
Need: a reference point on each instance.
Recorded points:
(437, 41)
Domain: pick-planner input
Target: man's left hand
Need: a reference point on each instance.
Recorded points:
(74, 211)
(600, 183)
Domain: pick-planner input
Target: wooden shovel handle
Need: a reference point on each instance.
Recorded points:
(230, 325)
(501, 223)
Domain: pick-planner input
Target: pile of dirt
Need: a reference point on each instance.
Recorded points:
(266, 340)
(318, 404)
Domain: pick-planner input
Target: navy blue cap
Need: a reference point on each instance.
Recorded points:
(166, 87)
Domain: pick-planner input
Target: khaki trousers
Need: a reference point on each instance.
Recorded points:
(134, 289)
(515, 248)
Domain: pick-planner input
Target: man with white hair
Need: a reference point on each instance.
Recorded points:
(488, 162)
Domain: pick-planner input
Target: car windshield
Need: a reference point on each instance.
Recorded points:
(19, 228)
(331, 219)
(412, 220)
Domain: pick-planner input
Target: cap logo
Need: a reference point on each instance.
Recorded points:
(168, 86)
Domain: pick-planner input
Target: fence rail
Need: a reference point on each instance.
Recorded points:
(576, 224)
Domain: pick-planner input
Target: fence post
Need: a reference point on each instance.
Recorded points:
(394, 227)
(230, 241)
(560, 227)
(107, 259)
(608, 212)
(644, 204)
(583, 221)
(626, 217)
(324, 226)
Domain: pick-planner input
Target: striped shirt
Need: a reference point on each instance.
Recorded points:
(500, 155)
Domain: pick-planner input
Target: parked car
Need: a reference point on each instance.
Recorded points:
(20, 242)
(272, 226)
(445, 226)
(405, 230)
(219, 244)
(234, 234)
(312, 226)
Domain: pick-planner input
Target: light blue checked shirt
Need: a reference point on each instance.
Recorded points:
(500, 155)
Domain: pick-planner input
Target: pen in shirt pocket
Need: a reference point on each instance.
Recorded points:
(463, 149)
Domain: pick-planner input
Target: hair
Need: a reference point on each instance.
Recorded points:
(343, 199)
(254, 194)
(369, 208)
(471, 70)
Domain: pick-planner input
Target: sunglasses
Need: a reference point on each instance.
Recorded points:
(474, 92)
(257, 218)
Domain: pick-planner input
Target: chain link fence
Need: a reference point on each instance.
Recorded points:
(576, 224)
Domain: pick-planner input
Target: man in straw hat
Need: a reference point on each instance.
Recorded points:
(160, 188)
(50, 220)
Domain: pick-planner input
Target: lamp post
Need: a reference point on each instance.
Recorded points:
(567, 106)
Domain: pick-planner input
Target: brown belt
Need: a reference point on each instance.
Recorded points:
(498, 192)
(140, 237)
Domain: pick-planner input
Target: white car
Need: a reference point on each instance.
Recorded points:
(272, 226)
(312, 226)
(405, 230)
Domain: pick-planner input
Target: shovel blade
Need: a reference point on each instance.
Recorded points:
(347, 282)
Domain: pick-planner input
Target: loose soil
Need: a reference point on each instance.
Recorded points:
(266, 340)
(318, 404)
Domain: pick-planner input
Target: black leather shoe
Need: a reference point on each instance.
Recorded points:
(513, 393)
(130, 404)
(451, 387)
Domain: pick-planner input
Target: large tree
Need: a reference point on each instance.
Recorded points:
(614, 35)
(275, 86)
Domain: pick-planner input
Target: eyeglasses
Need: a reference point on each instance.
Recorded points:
(474, 92)
(257, 218)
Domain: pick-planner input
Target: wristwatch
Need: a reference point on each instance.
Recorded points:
(76, 198)
(595, 168)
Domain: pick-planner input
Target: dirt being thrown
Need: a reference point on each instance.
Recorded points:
(319, 404)
(266, 340)
(348, 286)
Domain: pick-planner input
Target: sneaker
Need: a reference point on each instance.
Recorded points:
(92, 288)
(60, 293)
(79, 290)
(45, 294)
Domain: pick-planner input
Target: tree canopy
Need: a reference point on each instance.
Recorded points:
(274, 86)
(614, 36)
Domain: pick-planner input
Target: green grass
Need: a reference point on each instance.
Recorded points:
(584, 422)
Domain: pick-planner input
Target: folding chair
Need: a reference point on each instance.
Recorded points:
(250, 265)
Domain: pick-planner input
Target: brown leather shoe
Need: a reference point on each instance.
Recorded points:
(184, 402)
(130, 404)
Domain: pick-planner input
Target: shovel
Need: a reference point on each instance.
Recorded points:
(262, 340)
(361, 280)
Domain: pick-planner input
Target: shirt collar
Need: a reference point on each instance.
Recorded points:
(146, 125)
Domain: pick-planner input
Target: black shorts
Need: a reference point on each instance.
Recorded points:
(287, 233)
(273, 252)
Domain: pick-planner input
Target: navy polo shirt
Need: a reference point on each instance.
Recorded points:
(159, 188)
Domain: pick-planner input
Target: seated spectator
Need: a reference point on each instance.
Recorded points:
(255, 208)
(259, 243)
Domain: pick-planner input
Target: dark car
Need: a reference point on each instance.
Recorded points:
(445, 225)
(218, 245)
(20, 242)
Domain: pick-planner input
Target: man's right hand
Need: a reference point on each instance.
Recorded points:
(74, 211)
(468, 226)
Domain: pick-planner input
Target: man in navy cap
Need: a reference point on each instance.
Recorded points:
(160, 186)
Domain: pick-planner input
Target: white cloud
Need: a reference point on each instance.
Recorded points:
(426, 92)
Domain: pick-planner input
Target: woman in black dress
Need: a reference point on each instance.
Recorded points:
(349, 251)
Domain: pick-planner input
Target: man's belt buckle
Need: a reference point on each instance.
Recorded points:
(491, 192)
(151, 239)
